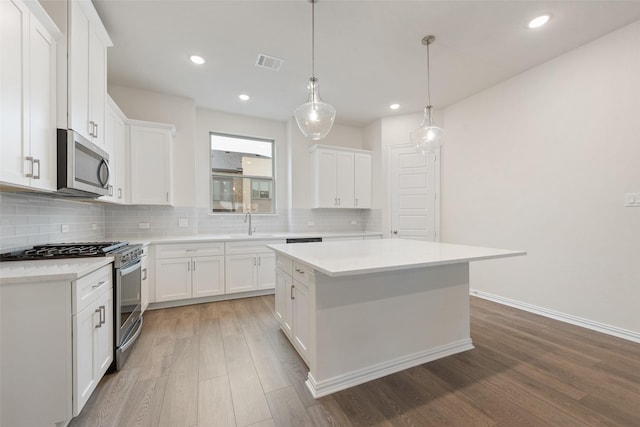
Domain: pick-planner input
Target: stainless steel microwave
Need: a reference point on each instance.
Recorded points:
(83, 167)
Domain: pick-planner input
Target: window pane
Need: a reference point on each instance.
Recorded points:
(242, 177)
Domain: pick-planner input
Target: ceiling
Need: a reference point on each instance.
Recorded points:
(368, 53)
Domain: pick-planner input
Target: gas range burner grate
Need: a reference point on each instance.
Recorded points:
(64, 250)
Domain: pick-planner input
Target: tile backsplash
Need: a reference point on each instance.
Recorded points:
(30, 219)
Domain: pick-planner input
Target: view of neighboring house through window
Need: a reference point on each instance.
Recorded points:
(242, 177)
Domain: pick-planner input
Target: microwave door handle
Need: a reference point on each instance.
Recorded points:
(105, 164)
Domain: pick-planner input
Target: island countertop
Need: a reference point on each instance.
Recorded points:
(347, 258)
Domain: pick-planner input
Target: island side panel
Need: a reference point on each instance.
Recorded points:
(368, 326)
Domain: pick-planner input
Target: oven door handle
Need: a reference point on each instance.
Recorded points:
(131, 339)
(134, 267)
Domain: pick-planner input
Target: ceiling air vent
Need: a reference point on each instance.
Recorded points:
(268, 62)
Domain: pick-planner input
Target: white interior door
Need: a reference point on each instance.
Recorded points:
(413, 194)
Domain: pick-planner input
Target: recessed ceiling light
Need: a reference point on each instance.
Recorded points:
(539, 21)
(394, 106)
(197, 59)
(244, 97)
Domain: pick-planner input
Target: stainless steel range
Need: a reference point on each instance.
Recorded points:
(127, 281)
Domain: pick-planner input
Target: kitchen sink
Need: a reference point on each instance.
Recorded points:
(253, 236)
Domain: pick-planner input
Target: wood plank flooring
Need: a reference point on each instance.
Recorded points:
(228, 364)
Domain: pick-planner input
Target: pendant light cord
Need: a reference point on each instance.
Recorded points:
(428, 78)
(313, 39)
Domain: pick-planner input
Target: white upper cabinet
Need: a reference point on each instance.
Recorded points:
(87, 71)
(340, 177)
(27, 95)
(115, 145)
(150, 167)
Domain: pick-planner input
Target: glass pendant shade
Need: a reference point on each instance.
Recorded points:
(315, 118)
(427, 138)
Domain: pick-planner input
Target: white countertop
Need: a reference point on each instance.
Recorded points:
(276, 235)
(372, 256)
(50, 270)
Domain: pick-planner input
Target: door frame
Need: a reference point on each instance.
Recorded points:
(436, 180)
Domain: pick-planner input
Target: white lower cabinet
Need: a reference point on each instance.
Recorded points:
(145, 281)
(189, 271)
(250, 266)
(61, 349)
(93, 347)
(293, 282)
(284, 305)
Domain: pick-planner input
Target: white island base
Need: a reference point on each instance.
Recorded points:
(353, 325)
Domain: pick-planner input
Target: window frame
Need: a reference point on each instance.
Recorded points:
(251, 178)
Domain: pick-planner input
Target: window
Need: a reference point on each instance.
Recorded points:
(242, 177)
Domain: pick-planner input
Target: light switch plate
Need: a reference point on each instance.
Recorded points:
(183, 222)
(64, 228)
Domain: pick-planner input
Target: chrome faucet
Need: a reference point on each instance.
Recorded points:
(248, 215)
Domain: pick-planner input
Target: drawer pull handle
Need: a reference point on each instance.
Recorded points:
(97, 285)
(292, 288)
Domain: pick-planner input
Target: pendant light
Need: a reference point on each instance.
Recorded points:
(315, 118)
(427, 138)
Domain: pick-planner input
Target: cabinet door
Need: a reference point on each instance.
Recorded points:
(173, 279)
(144, 286)
(42, 106)
(84, 367)
(150, 166)
(300, 318)
(207, 275)
(78, 71)
(104, 335)
(241, 273)
(121, 189)
(97, 85)
(267, 270)
(344, 180)
(325, 179)
(362, 180)
(110, 136)
(284, 302)
(14, 38)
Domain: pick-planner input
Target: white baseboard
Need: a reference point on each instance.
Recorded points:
(360, 376)
(563, 317)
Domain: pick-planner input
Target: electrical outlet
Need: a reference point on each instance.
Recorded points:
(354, 222)
(94, 227)
(143, 225)
(311, 223)
(632, 200)
(64, 228)
(183, 222)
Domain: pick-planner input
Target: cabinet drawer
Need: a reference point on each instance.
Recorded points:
(303, 273)
(90, 287)
(251, 247)
(285, 264)
(189, 250)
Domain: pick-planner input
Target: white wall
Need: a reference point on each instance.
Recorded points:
(215, 121)
(541, 162)
(157, 107)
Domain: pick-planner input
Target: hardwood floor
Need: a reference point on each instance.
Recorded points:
(228, 364)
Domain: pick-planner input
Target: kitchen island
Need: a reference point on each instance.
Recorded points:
(359, 310)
